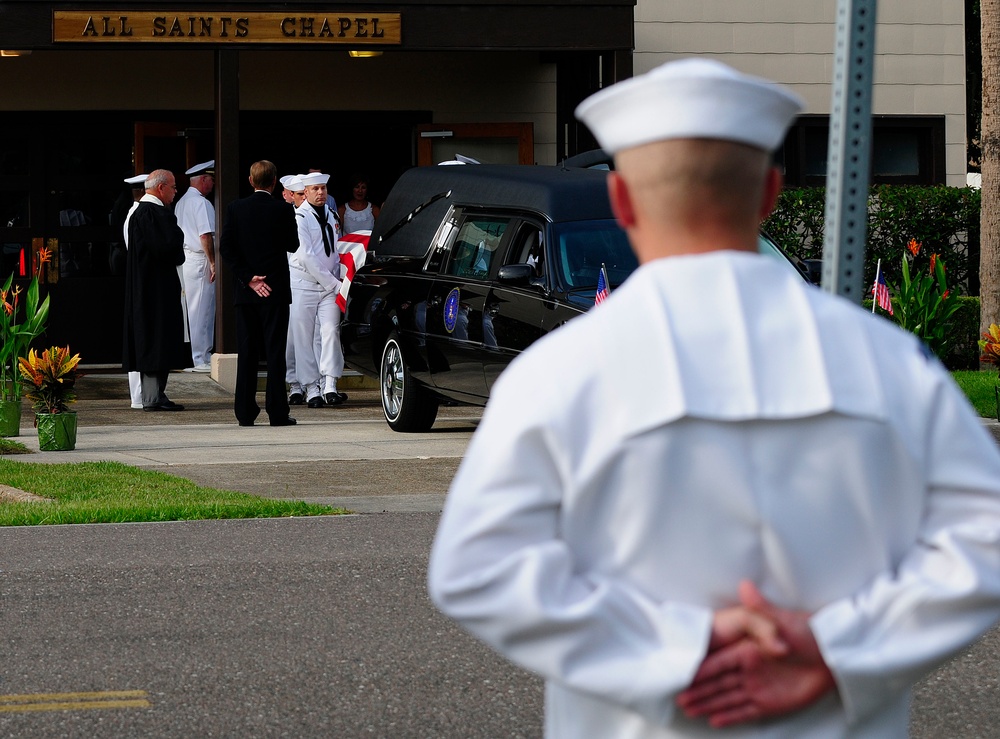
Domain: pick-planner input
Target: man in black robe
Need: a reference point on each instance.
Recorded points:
(154, 319)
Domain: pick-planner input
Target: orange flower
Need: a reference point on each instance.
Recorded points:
(913, 246)
(8, 308)
(44, 256)
(933, 262)
(945, 294)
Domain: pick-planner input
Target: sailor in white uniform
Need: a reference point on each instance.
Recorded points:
(196, 217)
(717, 450)
(314, 268)
(294, 193)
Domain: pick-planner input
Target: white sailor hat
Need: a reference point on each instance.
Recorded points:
(139, 179)
(690, 99)
(314, 178)
(292, 183)
(203, 168)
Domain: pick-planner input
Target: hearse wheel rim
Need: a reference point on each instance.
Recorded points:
(392, 380)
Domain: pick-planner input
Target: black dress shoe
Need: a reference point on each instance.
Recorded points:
(316, 402)
(296, 399)
(335, 398)
(284, 422)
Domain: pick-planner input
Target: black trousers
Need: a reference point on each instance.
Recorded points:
(154, 385)
(261, 331)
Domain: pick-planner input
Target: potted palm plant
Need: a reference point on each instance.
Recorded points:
(17, 330)
(48, 379)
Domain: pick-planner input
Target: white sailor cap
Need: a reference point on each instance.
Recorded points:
(314, 178)
(292, 183)
(139, 179)
(203, 168)
(690, 99)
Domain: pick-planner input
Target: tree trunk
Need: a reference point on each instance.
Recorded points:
(989, 257)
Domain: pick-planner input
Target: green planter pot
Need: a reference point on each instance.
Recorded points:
(56, 431)
(10, 417)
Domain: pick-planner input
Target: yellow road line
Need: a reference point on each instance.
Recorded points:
(73, 701)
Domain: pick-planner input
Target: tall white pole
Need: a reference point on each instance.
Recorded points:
(878, 272)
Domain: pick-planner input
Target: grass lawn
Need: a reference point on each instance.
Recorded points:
(109, 492)
(979, 388)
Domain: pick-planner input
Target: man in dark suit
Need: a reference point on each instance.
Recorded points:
(154, 319)
(257, 234)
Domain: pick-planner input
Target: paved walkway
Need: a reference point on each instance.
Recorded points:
(345, 456)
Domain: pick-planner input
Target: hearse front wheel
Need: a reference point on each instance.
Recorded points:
(406, 405)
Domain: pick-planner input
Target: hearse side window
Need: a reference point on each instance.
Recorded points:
(528, 247)
(476, 246)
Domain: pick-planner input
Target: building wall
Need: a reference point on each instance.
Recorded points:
(456, 87)
(919, 44)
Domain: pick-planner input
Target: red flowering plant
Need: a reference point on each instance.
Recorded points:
(49, 378)
(924, 304)
(19, 328)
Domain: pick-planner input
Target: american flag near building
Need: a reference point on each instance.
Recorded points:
(881, 291)
(353, 248)
(603, 287)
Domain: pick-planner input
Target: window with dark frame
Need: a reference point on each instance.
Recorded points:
(906, 150)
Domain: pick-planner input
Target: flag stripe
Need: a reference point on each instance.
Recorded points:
(352, 248)
(881, 293)
(602, 288)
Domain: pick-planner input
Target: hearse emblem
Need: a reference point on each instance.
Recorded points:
(451, 310)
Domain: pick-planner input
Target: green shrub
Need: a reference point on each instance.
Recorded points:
(964, 354)
(945, 220)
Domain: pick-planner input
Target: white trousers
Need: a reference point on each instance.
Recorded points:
(135, 389)
(200, 295)
(290, 377)
(312, 310)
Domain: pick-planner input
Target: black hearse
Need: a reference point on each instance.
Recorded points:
(467, 266)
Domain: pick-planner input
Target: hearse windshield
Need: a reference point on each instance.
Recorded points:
(581, 247)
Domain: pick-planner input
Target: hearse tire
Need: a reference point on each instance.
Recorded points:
(408, 408)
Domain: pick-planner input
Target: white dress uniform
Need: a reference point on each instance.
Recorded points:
(314, 293)
(718, 419)
(196, 217)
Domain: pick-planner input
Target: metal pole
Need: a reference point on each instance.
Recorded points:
(849, 155)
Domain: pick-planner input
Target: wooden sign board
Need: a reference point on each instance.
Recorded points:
(227, 27)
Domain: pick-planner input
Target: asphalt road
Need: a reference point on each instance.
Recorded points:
(316, 627)
(310, 627)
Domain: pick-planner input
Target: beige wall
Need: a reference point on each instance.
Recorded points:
(455, 87)
(919, 45)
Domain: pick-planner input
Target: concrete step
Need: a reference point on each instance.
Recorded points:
(224, 373)
(350, 380)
